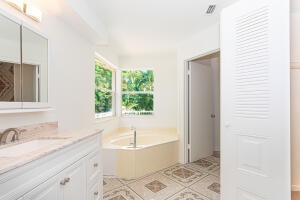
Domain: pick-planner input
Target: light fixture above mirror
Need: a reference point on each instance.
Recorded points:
(18, 4)
(28, 9)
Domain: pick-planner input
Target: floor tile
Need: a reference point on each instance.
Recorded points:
(208, 186)
(122, 193)
(215, 172)
(188, 194)
(111, 184)
(213, 159)
(203, 165)
(155, 186)
(126, 181)
(183, 175)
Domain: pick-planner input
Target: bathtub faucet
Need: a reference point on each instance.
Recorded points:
(134, 136)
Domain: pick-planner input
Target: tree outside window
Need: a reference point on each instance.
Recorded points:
(104, 90)
(137, 92)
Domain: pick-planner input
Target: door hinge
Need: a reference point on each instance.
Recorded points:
(188, 72)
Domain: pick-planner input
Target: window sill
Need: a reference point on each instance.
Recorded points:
(138, 116)
(105, 119)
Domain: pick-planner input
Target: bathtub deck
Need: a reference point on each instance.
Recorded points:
(197, 180)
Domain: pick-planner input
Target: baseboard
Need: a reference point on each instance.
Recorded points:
(295, 65)
(217, 154)
(296, 188)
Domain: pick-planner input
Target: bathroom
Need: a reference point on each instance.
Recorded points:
(69, 104)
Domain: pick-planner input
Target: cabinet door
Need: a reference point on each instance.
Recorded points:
(10, 60)
(94, 192)
(49, 190)
(75, 182)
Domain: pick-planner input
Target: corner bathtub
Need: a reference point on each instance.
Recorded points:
(156, 149)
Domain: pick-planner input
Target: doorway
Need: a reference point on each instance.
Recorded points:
(203, 106)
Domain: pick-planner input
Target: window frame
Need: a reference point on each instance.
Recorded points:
(140, 114)
(107, 65)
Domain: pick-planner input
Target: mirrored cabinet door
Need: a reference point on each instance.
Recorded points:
(23, 66)
(10, 60)
(34, 68)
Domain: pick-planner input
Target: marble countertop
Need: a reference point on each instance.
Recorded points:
(62, 139)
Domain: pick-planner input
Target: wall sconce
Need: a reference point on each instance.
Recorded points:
(18, 4)
(33, 12)
(28, 9)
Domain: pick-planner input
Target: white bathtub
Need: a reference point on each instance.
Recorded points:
(124, 140)
(156, 149)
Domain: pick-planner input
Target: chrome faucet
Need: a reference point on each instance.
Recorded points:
(16, 133)
(134, 136)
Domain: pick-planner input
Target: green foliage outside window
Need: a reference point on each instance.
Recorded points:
(103, 89)
(137, 92)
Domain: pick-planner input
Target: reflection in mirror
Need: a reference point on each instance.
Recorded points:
(10, 82)
(23, 66)
(30, 83)
(10, 59)
(35, 67)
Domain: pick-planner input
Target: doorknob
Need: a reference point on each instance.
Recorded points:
(213, 116)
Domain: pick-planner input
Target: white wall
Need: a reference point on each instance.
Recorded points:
(165, 90)
(215, 65)
(109, 53)
(71, 76)
(204, 42)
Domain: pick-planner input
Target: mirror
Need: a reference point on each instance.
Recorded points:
(10, 60)
(10, 82)
(34, 67)
(23, 66)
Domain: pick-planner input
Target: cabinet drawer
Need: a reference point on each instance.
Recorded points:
(94, 166)
(49, 190)
(94, 191)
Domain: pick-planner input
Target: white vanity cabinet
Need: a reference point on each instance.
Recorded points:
(50, 190)
(72, 173)
(70, 184)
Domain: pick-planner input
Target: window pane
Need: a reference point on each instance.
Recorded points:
(139, 80)
(103, 77)
(103, 101)
(137, 104)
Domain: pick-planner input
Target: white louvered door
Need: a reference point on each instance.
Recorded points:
(255, 98)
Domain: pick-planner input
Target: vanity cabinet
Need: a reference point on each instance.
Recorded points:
(72, 173)
(49, 190)
(70, 184)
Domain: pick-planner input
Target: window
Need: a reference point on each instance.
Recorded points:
(137, 92)
(104, 90)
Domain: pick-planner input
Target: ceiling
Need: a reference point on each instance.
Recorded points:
(139, 27)
(153, 26)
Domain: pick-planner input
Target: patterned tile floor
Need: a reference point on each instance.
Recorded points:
(199, 180)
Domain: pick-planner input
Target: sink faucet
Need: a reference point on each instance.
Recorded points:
(134, 136)
(16, 132)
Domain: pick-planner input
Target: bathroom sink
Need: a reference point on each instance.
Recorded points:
(27, 147)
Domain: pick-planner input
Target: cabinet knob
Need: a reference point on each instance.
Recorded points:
(63, 182)
(66, 180)
(95, 164)
(96, 193)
